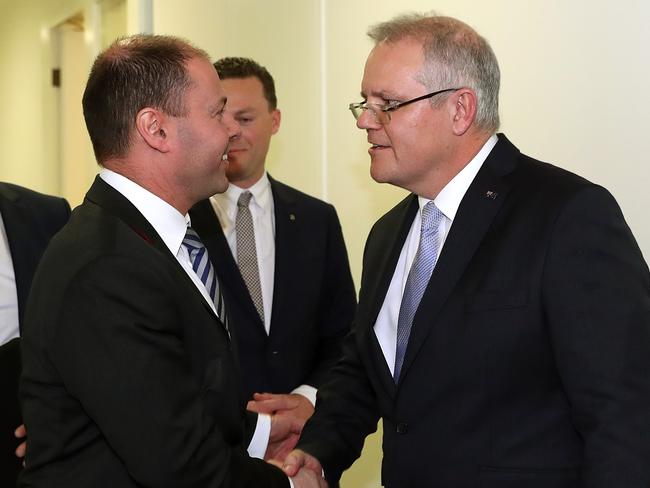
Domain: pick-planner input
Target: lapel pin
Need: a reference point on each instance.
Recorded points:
(292, 217)
(492, 195)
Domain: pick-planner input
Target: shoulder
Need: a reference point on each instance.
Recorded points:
(30, 197)
(292, 197)
(396, 215)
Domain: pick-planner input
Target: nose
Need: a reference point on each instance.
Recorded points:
(232, 126)
(368, 120)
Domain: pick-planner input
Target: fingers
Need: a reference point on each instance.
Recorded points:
(21, 450)
(269, 402)
(294, 461)
(21, 433)
(259, 407)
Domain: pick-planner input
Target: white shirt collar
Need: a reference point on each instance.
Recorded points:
(261, 192)
(168, 222)
(449, 198)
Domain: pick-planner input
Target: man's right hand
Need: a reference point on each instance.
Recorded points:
(308, 479)
(298, 460)
(304, 470)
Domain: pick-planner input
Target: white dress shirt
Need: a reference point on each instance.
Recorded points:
(171, 226)
(447, 201)
(8, 293)
(263, 214)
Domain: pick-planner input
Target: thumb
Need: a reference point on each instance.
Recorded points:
(293, 462)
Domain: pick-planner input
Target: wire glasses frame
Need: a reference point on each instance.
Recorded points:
(382, 113)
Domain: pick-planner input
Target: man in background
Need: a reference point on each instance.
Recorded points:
(281, 256)
(27, 222)
(503, 327)
(129, 374)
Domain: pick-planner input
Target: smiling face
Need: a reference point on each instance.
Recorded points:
(410, 151)
(257, 122)
(204, 133)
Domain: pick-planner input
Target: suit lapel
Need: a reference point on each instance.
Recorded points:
(479, 206)
(286, 238)
(380, 266)
(207, 225)
(104, 195)
(21, 228)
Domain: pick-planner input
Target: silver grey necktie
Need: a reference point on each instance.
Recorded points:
(417, 280)
(247, 251)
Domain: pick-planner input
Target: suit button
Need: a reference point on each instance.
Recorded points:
(402, 427)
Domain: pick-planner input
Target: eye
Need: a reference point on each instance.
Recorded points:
(389, 104)
(244, 120)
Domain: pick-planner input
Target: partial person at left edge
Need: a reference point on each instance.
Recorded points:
(28, 220)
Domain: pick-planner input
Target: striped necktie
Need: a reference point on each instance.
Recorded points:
(203, 268)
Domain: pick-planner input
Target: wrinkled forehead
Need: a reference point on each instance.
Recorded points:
(392, 67)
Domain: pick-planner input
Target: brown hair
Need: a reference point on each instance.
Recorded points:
(131, 74)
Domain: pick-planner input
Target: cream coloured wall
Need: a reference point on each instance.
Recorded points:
(30, 127)
(575, 78)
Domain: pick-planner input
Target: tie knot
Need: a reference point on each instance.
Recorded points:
(192, 240)
(244, 199)
(431, 216)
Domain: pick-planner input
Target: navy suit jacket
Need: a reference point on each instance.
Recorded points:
(129, 377)
(313, 293)
(30, 219)
(528, 360)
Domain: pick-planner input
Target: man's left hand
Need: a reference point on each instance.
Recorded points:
(292, 405)
(289, 413)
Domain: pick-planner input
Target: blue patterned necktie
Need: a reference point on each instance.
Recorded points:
(418, 278)
(203, 268)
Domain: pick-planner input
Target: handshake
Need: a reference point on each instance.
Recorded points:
(289, 413)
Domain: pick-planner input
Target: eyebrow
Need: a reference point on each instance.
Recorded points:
(245, 110)
(380, 94)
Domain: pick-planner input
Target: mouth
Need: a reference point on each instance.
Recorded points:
(377, 147)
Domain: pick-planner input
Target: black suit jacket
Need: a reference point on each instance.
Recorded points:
(528, 360)
(30, 219)
(128, 376)
(313, 293)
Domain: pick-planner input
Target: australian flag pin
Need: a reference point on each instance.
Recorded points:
(492, 195)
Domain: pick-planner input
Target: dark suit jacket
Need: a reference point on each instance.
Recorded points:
(528, 362)
(313, 293)
(128, 376)
(30, 219)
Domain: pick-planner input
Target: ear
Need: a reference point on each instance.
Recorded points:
(463, 110)
(276, 116)
(153, 127)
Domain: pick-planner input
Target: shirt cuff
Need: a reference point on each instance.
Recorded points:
(260, 440)
(309, 392)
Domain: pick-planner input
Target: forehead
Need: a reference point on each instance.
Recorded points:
(244, 92)
(392, 67)
(205, 80)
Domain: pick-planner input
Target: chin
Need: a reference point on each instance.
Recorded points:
(378, 175)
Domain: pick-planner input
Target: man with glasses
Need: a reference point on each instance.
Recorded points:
(503, 327)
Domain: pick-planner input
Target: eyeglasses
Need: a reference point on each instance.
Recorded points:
(382, 112)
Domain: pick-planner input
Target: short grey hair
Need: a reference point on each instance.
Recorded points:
(455, 56)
